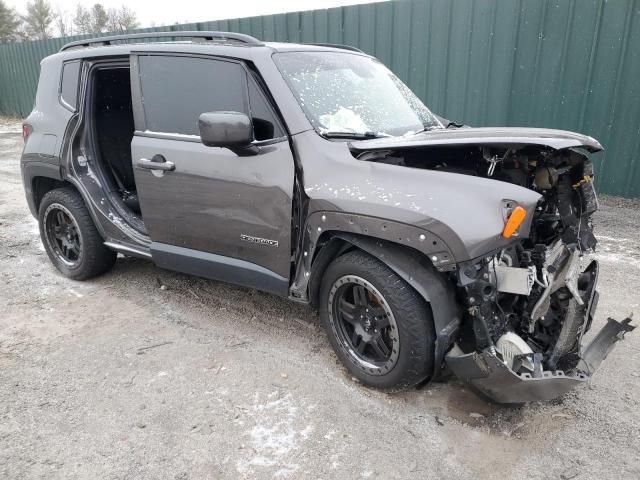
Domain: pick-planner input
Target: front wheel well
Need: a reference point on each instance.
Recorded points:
(335, 244)
(332, 247)
(413, 266)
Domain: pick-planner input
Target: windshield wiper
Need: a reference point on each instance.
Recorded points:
(356, 135)
(428, 128)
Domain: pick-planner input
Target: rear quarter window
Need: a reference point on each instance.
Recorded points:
(69, 84)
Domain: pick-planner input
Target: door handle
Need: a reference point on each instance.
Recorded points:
(158, 162)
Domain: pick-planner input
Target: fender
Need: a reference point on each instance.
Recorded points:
(414, 268)
(320, 223)
(31, 169)
(34, 169)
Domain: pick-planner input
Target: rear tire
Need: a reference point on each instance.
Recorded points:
(70, 237)
(380, 328)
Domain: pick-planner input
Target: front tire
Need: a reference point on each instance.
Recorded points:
(70, 237)
(380, 328)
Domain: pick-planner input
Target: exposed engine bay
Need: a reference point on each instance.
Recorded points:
(529, 302)
(527, 306)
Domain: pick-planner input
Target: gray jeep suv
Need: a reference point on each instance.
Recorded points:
(313, 173)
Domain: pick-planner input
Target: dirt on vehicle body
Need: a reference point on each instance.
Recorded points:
(313, 173)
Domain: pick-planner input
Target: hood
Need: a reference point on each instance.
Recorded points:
(497, 136)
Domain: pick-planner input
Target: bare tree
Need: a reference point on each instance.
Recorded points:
(113, 20)
(63, 22)
(99, 18)
(9, 23)
(121, 20)
(82, 20)
(128, 18)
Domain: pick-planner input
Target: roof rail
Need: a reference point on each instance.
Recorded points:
(231, 36)
(337, 45)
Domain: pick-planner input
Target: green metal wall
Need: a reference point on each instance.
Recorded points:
(570, 64)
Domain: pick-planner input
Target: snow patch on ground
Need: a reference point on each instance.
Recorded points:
(73, 292)
(276, 435)
(618, 250)
(34, 228)
(607, 257)
(11, 128)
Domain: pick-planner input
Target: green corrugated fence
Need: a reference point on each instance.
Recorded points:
(569, 64)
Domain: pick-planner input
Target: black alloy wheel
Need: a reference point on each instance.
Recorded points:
(63, 234)
(70, 238)
(364, 324)
(380, 328)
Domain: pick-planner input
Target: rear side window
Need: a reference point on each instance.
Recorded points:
(69, 84)
(176, 90)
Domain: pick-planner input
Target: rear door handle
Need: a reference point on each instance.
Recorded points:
(158, 162)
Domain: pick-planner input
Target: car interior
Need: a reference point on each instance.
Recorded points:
(113, 131)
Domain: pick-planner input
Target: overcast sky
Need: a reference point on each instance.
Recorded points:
(163, 12)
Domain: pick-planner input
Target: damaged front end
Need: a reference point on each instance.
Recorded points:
(528, 306)
(530, 299)
(527, 347)
(488, 374)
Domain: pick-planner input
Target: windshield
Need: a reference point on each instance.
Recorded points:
(342, 93)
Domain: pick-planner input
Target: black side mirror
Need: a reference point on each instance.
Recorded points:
(232, 130)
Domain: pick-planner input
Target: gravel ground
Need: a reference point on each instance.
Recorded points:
(119, 377)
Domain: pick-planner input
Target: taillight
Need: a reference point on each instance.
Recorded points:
(26, 130)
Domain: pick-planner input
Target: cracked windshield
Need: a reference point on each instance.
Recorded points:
(347, 95)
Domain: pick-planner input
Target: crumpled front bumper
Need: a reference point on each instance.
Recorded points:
(488, 375)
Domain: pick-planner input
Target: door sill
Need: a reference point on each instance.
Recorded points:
(129, 250)
(218, 267)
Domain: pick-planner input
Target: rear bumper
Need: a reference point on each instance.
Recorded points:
(487, 374)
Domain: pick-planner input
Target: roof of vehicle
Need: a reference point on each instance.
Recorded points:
(224, 43)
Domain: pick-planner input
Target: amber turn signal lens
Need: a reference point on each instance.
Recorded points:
(513, 222)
